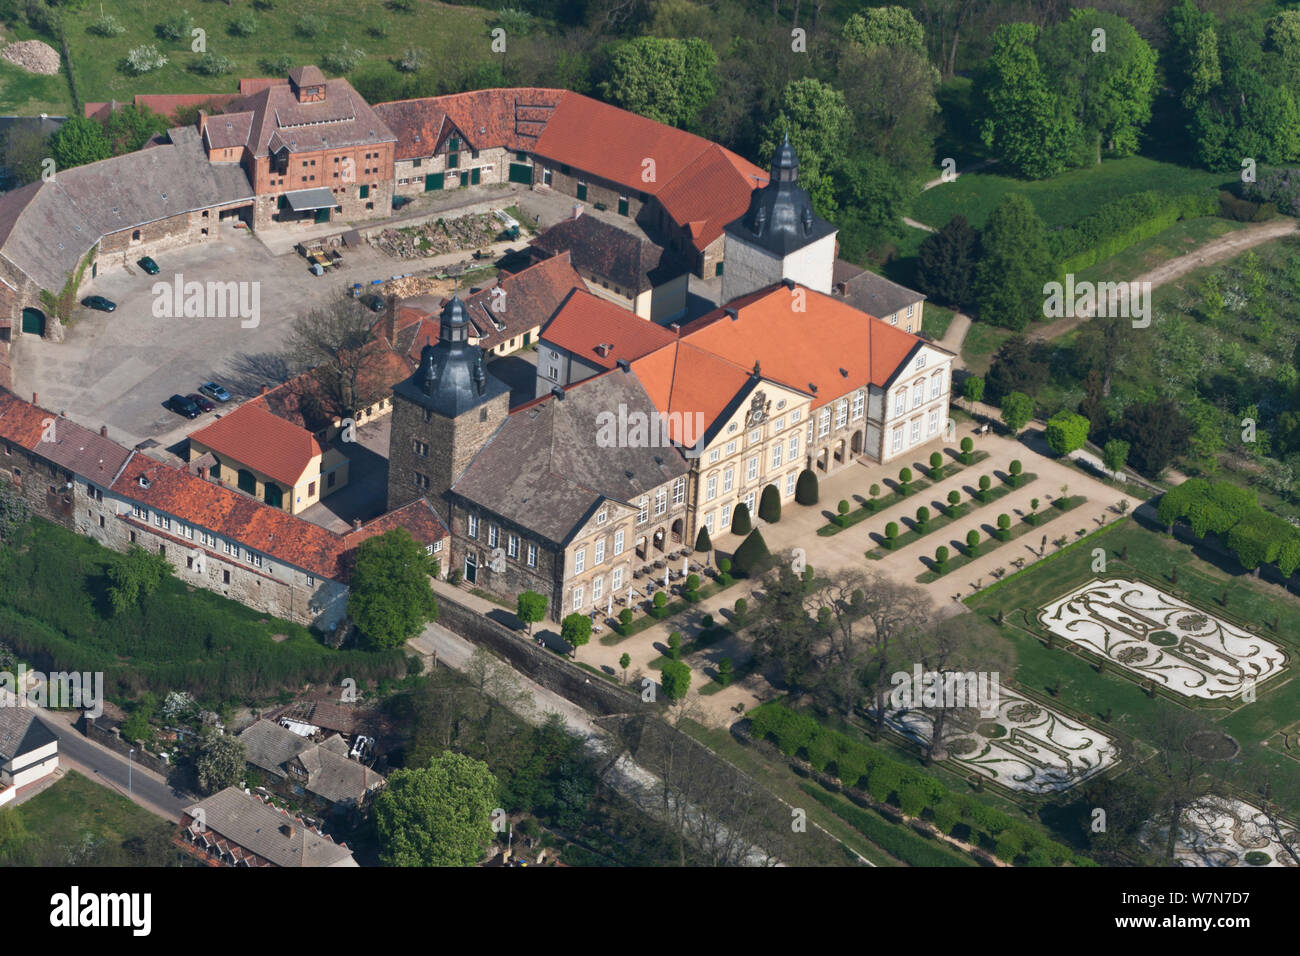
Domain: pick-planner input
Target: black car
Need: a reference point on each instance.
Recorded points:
(148, 265)
(182, 406)
(374, 303)
(99, 302)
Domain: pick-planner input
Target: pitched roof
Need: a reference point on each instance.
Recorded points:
(545, 468)
(268, 746)
(272, 834)
(21, 732)
(512, 117)
(710, 193)
(631, 262)
(76, 448)
(46, 228)
(828, 349)
(334, 776)
(252, 436)
(342, 118)
(872, 293)
(533, 296)
(690, 385)
(586, 321)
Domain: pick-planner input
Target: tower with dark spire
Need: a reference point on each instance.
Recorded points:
(780, 236)
(443, 413)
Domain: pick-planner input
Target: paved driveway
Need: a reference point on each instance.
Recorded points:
(118, 368)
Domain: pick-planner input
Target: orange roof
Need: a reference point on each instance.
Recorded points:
(711, 192)
(20, 422)
(684, 380)
(828, 349)
(252, 436)
(586, 321)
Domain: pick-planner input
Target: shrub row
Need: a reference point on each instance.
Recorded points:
(1252, 534)
(1118, 224)
(895, 839)
(915, 793)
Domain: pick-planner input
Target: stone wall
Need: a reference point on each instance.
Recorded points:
(107, 733)
(42, 484)
(554, 673)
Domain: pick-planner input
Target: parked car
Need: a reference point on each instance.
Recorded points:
(202, 402)
(374, 303)
(182, 406)
(148, 265)
(214, 391)
(99, 302)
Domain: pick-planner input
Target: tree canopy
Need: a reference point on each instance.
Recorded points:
(437, 815)
(390, 598)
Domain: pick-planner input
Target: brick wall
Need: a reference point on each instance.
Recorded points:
(41, 484)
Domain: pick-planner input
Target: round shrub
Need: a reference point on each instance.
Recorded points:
(740, 523)
(891, 533)
(625, 616)
(874, 491)
(693, 582)
(922, 516)
(941, 555)
(805, 489)
(842, 507)
(936, 461)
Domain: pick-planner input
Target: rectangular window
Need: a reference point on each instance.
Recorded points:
(602, 517)
(597, 589)
(728, 479)
(751, 469)
(841, 413)
(492, 536)
(900, 402)
(918, 394)
(796, 415)
(618, 543)
(311, 580)
(421, 480)
(472, 524)
(532, 555)
(616, 579)
(428, 549)
(437, 546)
(898, 438)
(859, 400)
(794, 447)
(824, 423)
(661, 501)
(916, 431)
(936, 384)
(714, 455)
(711, 488)
(580, 561)
(643, 510)
(577, 598)
(756, 435)
(726, 516)
(708, 523)
(776, 455)
(512, 546)
(679, 491)
(599, 556)
(789, 483)
(934, 421)
(731, 448)
(254, 559)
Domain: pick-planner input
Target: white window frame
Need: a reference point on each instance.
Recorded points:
(616, 579)
(898, 438)
(512, 546)
(661, 501)
(532, 555)
(728, 480)
(597, 589)
(777, 449)
(859, 403)
(598, 552)
(710, 487)
(643, 510)
(471, 526)
(751, 469)
(580, 561)
(794, 447)
(841, 413)
(790, 480)
(708, 523)
(916, 431)
(679, 491)
(579, 595)
(824, 423)
(618, 542)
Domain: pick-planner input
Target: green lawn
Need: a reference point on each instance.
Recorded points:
(450, 35)
(982, 340)
(76, 822)
(26, 94)
(1061, 200)
(935, 320)
(54, 610)
(1075, 681)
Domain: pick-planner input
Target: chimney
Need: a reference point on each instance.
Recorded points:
(577, 210)
(625, 365)
(788, 282)
(287, 829)
(203, 472)
(390, 319)
(264, 390)
(674, 327)
(203, 121)
(733, 313)
(558, 393)
(603, 350)
(103, 431)
(34, 400)
(356, 524)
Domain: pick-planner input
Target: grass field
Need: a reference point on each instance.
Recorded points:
(1061, 200)
(26, 94)
(449, 34)
(76, 822)
(1077, 684)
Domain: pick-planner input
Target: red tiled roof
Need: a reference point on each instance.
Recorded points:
(714, 190)
(252, 436)
(21, 422)
(814, 347)
(684, 380)
(418, 517)
(511, 117)
(586, 321)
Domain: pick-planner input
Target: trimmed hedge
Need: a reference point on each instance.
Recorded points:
(895, 839)
(888, 780)
(1254, 535)
(1116, 225)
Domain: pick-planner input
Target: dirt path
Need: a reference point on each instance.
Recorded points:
(1216, 250)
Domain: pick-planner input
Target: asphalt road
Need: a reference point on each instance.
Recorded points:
(111, 770)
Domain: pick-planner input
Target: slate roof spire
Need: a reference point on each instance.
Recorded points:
(451, 378)
(780, 218)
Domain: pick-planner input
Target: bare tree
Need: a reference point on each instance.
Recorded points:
(954, 651)
(336, 342)
(838, 604)
(895, 611)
